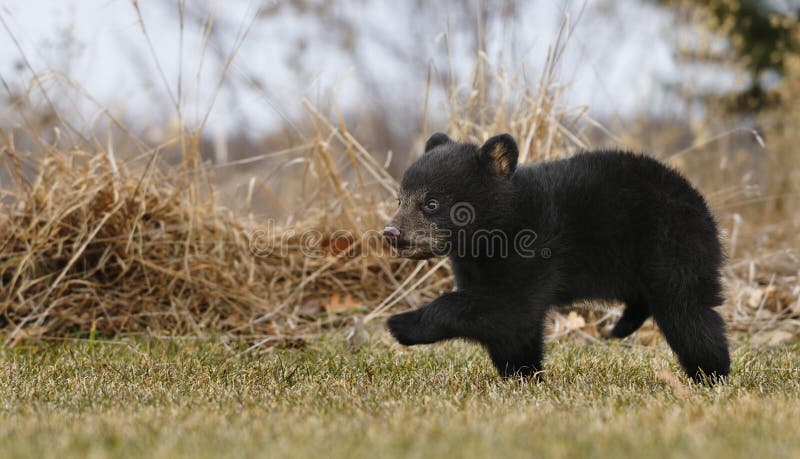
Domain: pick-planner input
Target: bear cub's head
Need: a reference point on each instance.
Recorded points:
(451, 191)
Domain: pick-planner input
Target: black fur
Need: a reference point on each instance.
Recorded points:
(609, 226)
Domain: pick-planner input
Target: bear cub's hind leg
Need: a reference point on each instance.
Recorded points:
(696, 333)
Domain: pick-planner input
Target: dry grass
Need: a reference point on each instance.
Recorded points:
(90, 246)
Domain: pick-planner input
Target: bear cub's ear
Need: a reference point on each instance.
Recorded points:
(500, 153)
(436, 139)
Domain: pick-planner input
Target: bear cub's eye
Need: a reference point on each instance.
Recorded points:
(431, 205)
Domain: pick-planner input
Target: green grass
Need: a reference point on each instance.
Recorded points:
(173, 399)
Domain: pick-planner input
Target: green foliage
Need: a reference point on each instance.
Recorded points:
(760, 36)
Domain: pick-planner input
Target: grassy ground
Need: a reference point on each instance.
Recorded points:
(169, 399)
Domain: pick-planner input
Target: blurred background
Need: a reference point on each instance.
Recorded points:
(239, 71)
(368, 57)
(307, 111)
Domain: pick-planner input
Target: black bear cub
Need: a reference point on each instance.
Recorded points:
(603, 225)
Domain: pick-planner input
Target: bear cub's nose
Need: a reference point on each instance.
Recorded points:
(392, 234)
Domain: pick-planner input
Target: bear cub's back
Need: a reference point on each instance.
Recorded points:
(618, 215)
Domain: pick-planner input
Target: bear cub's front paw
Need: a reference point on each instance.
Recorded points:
(405, 327)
